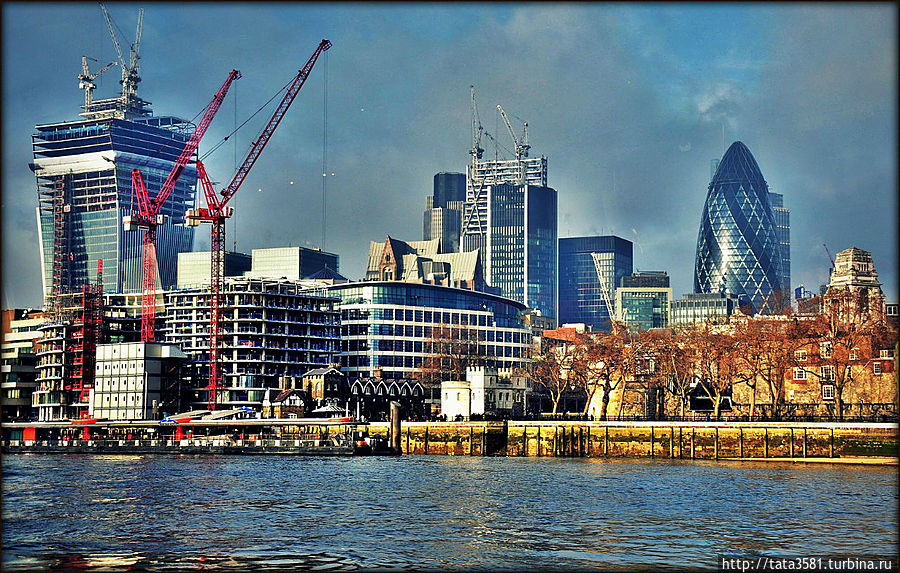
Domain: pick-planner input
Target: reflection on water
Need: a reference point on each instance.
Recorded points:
(429, 512)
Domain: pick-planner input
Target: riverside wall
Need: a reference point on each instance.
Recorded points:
(797, 441)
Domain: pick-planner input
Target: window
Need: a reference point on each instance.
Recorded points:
(889, 353)
(828, 392)
(876, 368)
(825, 350)
(854, 354)
(800, 356)
(799, 374)
(827, 373)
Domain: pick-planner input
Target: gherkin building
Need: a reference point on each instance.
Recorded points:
(737, 248)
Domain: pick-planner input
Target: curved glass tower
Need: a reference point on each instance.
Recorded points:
(737, 248)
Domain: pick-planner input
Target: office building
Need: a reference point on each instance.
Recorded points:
(291, 263)
(588, 266)
(83, 171)
(443, 223)
(19, 362)
(510, 217)
(194, 268)
(713, 307)
(443, 210)
(783, 230)
(644, 300)
(738, 250)
(386, 326)
(449, 188)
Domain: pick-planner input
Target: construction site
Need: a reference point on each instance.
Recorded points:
(117, 188)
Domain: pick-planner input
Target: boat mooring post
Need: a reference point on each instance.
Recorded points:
(395, 427)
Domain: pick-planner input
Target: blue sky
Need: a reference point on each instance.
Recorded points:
(627, 101)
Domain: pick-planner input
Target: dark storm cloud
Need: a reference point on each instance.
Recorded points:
(627, 102)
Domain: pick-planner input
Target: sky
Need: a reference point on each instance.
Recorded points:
(630, 103)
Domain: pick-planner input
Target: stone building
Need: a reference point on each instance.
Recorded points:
(485, 391)
(854, 292)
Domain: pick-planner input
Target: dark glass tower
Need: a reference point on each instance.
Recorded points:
(581, 282)
(738, 251)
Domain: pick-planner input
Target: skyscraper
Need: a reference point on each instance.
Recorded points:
(83, 171)
(587, 265)
(783, 230)
(738, 251)
(443, 210)
(510, 215)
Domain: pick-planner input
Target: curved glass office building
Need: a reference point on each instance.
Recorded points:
(386, 325)
(737, 248)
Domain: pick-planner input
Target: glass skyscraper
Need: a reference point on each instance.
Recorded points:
(580, 296)
(521, 242)
(738, 248)
(783, 229)
(83, 171)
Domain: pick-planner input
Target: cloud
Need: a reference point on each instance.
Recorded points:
(626, 102)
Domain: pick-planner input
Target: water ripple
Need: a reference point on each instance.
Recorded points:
(431, 513)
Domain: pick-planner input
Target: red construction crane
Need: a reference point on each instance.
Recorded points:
(149, 217)
(217, 211)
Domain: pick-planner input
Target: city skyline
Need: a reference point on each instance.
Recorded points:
(629, 104)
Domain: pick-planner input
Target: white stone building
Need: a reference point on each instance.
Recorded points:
(485, 390)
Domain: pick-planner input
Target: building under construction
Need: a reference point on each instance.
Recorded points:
(510, 216)
(271, 329)
(84, 182)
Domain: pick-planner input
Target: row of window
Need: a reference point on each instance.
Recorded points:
(826, 372)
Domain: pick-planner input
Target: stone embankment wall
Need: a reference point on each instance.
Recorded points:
(684, 440)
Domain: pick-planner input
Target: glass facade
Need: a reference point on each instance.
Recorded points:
(449, 187)
(92, 161)
(644, 308)
(521, 244)
(386, 325)
(783, 229)
(738, 251)
(703, 307)
(580, 295)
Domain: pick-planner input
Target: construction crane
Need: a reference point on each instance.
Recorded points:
(604, 291)
(830, 258)
(521, 147)
(477, 129)
(86, 80)
(217, 211)
(130, 74)
(149, 217)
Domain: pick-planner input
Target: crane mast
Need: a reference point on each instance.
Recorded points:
(149, 217)
(86, 80)
(130, 74)
(217, 211)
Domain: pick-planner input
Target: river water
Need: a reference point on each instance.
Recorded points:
(429, 512)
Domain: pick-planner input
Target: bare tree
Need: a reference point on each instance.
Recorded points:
(449, 352)
(837, 347)
(714, 356)
(606, 367)
(559, 369)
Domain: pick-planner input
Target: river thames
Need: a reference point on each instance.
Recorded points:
(429, 512)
